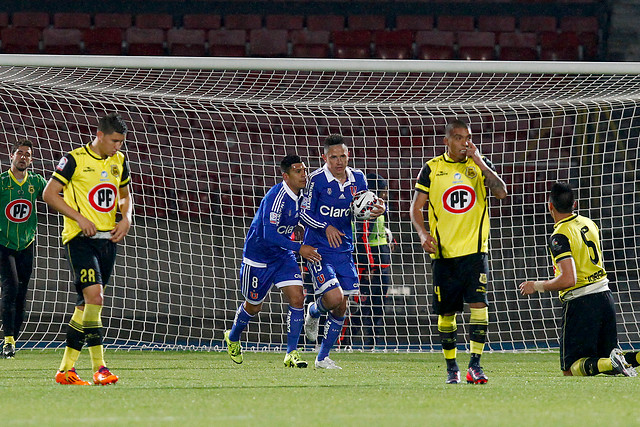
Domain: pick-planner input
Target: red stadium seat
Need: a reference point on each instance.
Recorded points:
(4, 20)
(227, 42)
(201, 22)
(478, 45)
(537, 24)
(579, 24)
(435, 44)
(103, 41)
(112, 20)
(414, 22)
(145, 41)
(518, 46)
(352, 44)
(325, 22)
(20, 40)
(367, 22)
(455, 23)
(497, 23)
(160, 21)
(72, 20)
(393, 44)
(284, 22)
(559, 46)
(30, 19)
(185, 42)
(268, 43)
(62, 41)
(242, 22)
(310, 44)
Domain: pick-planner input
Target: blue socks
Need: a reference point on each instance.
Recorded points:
(239, 323)
(295, 322)
(332, 330)
(317, 309)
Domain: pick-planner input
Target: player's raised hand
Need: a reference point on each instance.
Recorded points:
(378, 209)
(527, 288)
(310, 253)
(429, 244)
(474, 152)
(334, 236)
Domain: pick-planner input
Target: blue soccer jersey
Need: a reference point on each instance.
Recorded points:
(269, 237)
(328, 202)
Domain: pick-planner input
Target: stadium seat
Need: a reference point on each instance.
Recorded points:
(559, 46)
(201, 22)
(455, 23)
(537, 24)
(72, 20)
(587, 28)
(284, 22)
(20, 40)
(366, 22)
(497, 23)
(4, 20)
(310, 44)
(242, 22)
(160, 21)
(103, 41)
(477, 45)
(352, 44)
(112, 20)
(186, 42)
(227, 42)
(325, 22)
(518, 46)
(268, 43)
(62, 41)
(30, 19)
(414, 22)
(145, 41)
(393, 44)
(435, 44)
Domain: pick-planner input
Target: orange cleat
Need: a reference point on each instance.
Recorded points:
(104, 377)
(69, 378)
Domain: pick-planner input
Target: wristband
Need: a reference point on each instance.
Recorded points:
(538, 286)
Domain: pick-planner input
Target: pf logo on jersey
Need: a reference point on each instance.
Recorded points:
(18, 210)
(459, 199)
(103, 197)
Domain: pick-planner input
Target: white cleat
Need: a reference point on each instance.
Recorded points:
(620, 365)
(311, 326)
(326, 363)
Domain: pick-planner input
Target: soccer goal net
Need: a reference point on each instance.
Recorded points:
(207, 135)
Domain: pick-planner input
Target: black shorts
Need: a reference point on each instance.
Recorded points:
(588, 328)
(91, 261)
(459, 280)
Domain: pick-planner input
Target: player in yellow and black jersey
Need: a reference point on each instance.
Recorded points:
(94, 180)
(454, 187)
(589, 338)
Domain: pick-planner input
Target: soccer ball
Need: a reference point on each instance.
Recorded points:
(362, 204)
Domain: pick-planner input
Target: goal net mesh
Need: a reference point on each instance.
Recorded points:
(204, 147)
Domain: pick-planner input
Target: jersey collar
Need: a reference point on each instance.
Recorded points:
(571, 218)
(93, 153)
(330, 177)
(450, 160)
(290, 192)
(13, 177)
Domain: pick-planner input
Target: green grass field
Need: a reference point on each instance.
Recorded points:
(197, 388)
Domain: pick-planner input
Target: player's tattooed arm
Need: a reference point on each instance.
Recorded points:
(495, 184)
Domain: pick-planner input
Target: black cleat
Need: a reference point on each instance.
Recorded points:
(8, 351)
(453, 377)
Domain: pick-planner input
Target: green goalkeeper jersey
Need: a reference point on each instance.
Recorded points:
(19, 219)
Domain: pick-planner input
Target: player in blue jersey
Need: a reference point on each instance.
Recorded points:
(269, 259)
(327, 215)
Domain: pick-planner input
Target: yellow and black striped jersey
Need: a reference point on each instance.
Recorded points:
(578, 237)
(458, 206)
(91, 186)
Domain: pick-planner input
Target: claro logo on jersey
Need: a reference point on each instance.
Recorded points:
(18, 210)
(459, 199)
(103, 197)
(334, 212)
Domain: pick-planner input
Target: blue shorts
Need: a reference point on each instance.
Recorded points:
(256, 279)
(334, 270)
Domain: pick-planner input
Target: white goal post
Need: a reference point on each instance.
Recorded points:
(206, 136)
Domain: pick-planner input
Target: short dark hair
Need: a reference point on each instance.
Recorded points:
(562, 197)
(111, 123)
(333, 139)
(22, 142)
(288, 161)
(455, 124)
